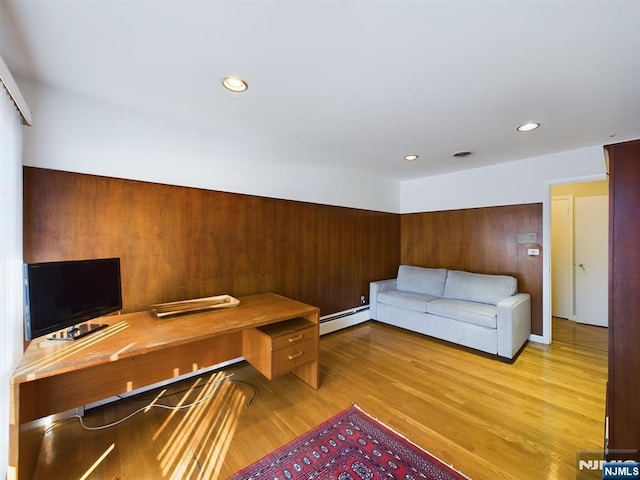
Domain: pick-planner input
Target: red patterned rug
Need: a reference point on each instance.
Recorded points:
(350, 446)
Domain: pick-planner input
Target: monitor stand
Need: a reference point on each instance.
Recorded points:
(78, 331)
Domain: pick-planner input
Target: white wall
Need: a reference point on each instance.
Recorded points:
(523, 181)
(76, 133)
(11, 306)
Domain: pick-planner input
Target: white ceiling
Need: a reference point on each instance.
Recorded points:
(354, 83)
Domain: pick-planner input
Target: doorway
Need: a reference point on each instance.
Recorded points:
(579, 254)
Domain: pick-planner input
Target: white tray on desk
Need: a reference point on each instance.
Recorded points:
(184, 307)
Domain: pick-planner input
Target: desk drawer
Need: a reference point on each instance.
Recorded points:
(286, 359)
(281, 347)
(293, 338)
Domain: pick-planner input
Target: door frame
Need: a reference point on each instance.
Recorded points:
(546, 251)
(568, 257)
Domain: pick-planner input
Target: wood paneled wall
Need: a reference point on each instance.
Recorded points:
(623, 390)
(482, 240)
(177, 242)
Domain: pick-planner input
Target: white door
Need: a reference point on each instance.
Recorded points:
(592, 259)
(562, 256)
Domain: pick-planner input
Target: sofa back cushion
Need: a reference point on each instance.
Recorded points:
(477, 287)
(428, 281)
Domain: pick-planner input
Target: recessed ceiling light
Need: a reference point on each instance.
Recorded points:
(411, 158)
(527, 127)
(234, 84)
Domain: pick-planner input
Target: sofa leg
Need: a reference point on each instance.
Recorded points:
(511, 360)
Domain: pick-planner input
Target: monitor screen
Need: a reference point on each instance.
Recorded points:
(60, 295)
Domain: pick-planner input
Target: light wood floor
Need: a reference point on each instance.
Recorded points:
(589, 336)
(489, 419)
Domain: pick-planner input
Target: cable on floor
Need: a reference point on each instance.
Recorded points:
(166, 407)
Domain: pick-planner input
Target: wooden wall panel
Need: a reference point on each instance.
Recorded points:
(623, 390)
(482, 240)
(177, 242)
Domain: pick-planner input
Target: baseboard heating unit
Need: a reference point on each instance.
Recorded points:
(346, 318)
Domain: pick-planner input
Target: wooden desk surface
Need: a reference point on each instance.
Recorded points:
(136, 350)
(140, 333)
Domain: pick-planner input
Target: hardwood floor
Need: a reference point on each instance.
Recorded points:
(489, 419)
(590, 336)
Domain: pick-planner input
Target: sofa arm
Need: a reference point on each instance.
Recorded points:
(374, 288)
(514, 323)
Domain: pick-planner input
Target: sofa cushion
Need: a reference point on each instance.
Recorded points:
(470, 312)
(410, 300)
(429, 281)
(477, 287)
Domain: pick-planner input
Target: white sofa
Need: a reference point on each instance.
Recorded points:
(484, 312)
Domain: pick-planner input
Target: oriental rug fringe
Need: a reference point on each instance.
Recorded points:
(350, 446)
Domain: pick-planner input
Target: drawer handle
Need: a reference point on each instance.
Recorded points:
(295, 355)
(296, 338)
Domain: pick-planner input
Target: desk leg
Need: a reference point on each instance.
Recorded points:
(12, 469)
(310, 372)
(14, 432)
(24, 441)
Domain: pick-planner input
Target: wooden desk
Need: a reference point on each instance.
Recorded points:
(136, 350)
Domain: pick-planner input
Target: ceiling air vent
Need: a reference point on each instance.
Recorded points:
(461, 154)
